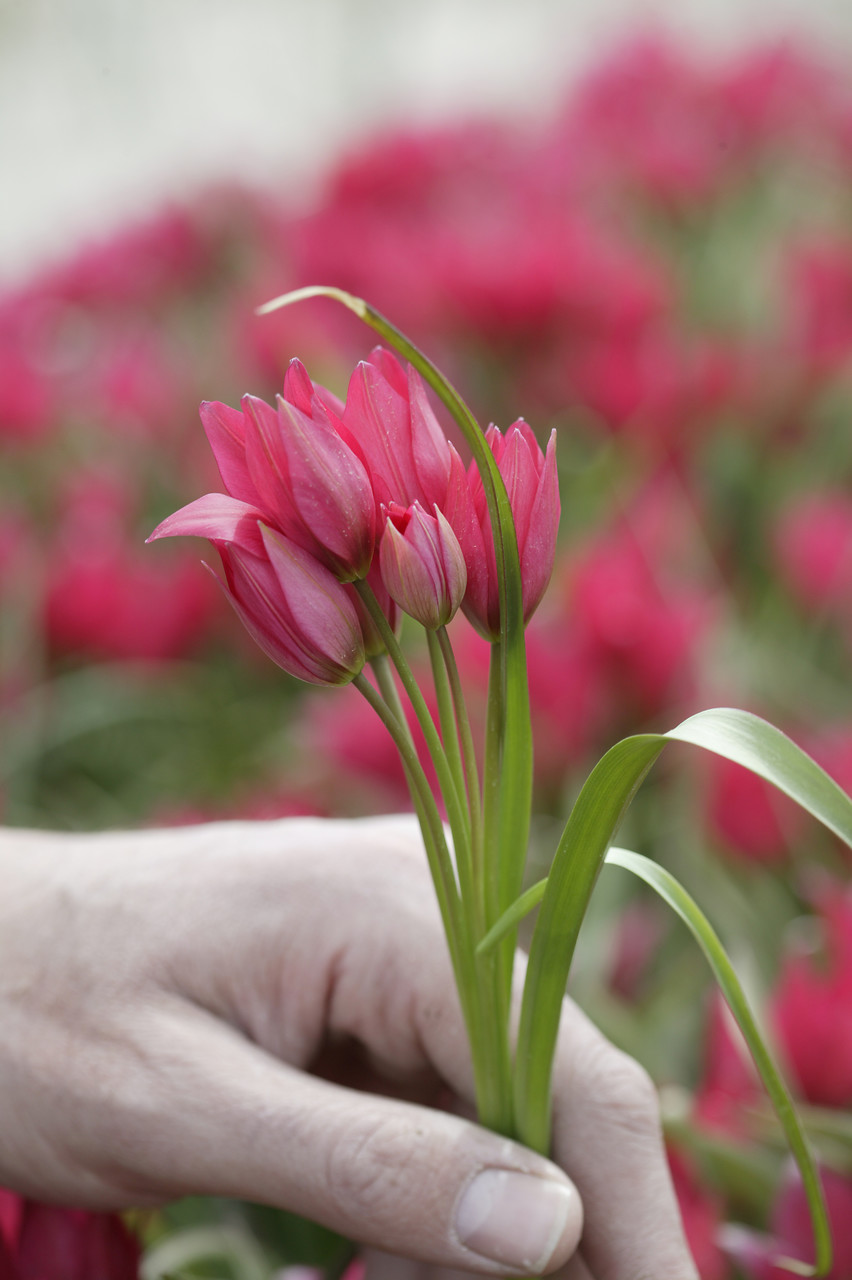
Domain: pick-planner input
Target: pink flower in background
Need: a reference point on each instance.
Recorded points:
(570, 698)
(812, 1007)
(790, 1232)
(701, 1213)
(729, 1084)
(644, 622)
(533, 487)
(650, 120)
(422, 565)
(752, 819)
(637, 933)
(104, 597)
(45, 1242)
(821, 303)
(292, 606)
(813, 550)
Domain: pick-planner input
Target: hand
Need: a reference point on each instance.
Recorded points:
(190, 1012)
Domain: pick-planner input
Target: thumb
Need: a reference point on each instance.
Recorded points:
(412, 1181)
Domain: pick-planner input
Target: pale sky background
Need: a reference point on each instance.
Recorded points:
(109, 106)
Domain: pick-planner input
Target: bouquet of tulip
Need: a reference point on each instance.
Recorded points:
(339, 517)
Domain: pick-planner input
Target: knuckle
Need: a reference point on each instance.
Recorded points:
(625, 1096)
(368, 1166)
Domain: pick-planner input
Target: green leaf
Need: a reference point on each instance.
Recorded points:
(513, 916)
(672, 892)
(591, 827)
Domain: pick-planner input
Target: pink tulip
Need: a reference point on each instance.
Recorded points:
(531, 480)
(422, 564)
(790, 1231)
(701, 1214)
(812, 1008)
(46, 1242)
(295, 609)
(294, 464)
(392, 424)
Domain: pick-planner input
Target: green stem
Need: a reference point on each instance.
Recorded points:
(489, 1057)
(440, 862)
(450, 738)
(491, 783)
(446, 781)
(389, 691)
(471, 770)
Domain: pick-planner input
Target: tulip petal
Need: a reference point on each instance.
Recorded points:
(331, 492)
(318, 604)
(378, 418)
(225, 429)
(267, 460)
(429, 445)
(216, 516)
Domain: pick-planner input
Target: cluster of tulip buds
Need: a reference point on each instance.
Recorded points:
(321, 495)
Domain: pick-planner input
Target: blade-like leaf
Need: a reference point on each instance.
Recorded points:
(759, 746)
(737, 735)
(529, 899)
(672, 892)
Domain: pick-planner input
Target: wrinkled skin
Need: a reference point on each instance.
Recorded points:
(181, 1012)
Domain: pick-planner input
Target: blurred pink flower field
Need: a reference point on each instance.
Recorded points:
(663, 273)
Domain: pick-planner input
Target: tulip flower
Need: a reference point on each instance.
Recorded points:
(422, 564)
(532, 484)
(53, 1243)
(790, 1232)
(391, 422)
(812, 1008)
(294, 607)
(293, 464)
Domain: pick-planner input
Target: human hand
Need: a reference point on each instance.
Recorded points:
(191, 1010)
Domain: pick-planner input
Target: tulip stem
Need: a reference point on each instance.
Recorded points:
(486, 1033)
(468, 753)
(452, 800)
(389, 691)
(493, 807)
(452, 747)
(440, 862)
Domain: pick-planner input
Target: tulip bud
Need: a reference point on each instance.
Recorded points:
(296, 610)
(533, 488)
(422, 564)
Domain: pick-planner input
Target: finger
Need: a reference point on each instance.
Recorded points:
(417, 1182)
(608, 1134)
(387, 1266)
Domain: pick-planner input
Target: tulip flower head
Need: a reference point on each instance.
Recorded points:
(391, 422)
(293, 464)
(532, 484)
(422, 564)
(290, 603)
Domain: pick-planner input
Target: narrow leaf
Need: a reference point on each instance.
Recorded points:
(672, 892)
(529, 899)
(737, 735)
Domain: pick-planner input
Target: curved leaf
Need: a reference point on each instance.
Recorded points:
(672, 892)
(737, 735)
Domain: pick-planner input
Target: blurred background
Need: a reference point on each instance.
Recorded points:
(631, 222)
